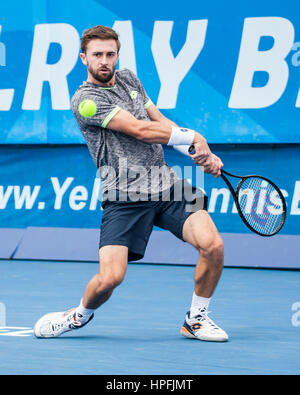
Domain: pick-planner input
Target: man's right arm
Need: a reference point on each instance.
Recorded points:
(159, 131)
(153, 132)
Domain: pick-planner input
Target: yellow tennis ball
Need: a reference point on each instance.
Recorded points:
(87, 108)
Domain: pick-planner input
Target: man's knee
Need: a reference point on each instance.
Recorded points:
(113, 265)
(112, 281)
(109, 280)
(214, 250)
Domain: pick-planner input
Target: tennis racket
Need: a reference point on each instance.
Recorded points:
(259, 202)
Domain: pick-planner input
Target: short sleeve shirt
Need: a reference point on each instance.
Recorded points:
(125, 163)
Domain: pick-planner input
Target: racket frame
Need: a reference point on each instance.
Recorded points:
(235, 193)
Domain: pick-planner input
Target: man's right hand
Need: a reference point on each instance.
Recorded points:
(202, 152)
(203, 156)
(213, 165)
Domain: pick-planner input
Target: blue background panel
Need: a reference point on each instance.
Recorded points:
(241, 250)
(204, 92)
(9, 241)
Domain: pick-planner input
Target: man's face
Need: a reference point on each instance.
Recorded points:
(101, 59)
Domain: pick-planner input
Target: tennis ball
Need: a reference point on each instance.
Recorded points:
(87, 108)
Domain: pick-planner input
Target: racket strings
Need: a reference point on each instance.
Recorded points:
(260, 205)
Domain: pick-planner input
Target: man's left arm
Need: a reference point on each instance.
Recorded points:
(155, 115)
(212, 166)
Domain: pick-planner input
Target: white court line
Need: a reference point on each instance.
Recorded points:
(14, 327)
(5, 331)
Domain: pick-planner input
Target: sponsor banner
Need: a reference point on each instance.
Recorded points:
(60, 187)
(229, 71)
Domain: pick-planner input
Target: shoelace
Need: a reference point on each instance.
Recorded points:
(56, 327)
(67, 321)
(204, 317)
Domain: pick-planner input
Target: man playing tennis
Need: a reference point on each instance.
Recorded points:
(124, 131)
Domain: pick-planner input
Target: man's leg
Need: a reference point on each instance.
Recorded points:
(113, 265)
(200, 231)
(113, 262)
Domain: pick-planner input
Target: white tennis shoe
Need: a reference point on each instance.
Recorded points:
(55, 324)
(201, 327)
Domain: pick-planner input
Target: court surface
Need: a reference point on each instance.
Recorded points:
(137, 330)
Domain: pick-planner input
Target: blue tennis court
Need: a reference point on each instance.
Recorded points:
(137, 331)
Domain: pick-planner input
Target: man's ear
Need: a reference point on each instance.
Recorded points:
(83, 58)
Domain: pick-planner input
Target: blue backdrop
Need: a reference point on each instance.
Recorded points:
(228, 69)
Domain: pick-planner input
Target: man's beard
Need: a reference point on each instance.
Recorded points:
(101, 78)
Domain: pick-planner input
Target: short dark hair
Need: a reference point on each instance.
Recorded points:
(101, 32)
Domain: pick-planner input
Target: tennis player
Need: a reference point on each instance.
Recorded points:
(124, 132)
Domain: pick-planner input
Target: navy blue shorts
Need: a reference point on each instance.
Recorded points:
(130, 224)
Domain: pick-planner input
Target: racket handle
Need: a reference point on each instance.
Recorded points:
(192, 149)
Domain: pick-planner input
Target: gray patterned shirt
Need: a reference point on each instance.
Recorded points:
(125, 164)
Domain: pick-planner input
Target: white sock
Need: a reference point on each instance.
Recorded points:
(83, 314)
(198, 303)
